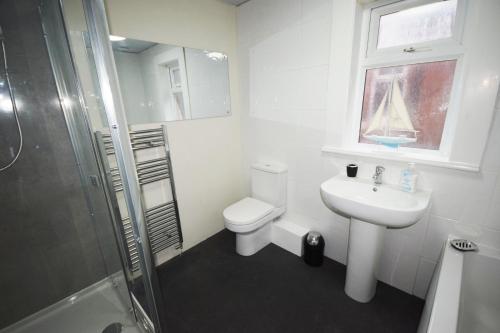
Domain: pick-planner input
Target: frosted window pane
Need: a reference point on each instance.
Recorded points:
(417, 24)
(407, 103)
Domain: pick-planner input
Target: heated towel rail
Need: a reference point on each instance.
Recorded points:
(162, 220)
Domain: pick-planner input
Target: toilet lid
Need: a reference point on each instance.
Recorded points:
(247, 211)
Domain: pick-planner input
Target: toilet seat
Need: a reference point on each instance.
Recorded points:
(247, 215)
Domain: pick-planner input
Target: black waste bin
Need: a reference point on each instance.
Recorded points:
(314, 246)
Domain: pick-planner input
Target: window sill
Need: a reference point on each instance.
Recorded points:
(402, 157)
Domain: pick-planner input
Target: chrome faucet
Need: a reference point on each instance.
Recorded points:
(377, 177)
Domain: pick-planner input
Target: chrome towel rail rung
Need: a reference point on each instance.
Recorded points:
(149, 130)
(154, 224)
(154, 179)
(161, 228)
(169, 233)
(145, 167)
(160, 159)
(170, 222)
(148, 181)
(148, 143)
(111, 150)
(152, 171)
(157, 244)
(115, 176)
(117, 184)
(167, 244)
(154, 209)
(152, 174)
(146, 136)
(161, 213)
(147, 139)
(164, 240)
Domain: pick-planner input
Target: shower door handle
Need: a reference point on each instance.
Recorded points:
(94, 180)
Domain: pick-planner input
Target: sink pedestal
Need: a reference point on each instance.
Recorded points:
(365, 246)
(372, 209)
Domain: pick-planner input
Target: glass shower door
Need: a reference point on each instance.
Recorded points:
(61, 270)
(86, 44)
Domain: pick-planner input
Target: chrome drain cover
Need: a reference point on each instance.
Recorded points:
(113, 328)
(464, 245)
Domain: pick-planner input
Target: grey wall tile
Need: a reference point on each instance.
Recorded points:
(48, 244)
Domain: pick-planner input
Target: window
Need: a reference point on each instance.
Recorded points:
(408, 74)
(417, 25)
(407, 103)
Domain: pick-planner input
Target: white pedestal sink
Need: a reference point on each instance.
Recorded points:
(372, 209)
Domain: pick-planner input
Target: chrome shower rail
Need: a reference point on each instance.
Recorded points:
(163, 224)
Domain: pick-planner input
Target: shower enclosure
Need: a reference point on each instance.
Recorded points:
(71, 264)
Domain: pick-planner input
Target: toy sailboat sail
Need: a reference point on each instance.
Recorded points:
(391, 124)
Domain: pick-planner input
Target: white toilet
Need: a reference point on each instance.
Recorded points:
(250, 218)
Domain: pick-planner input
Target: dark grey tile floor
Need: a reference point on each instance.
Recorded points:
(210, 288)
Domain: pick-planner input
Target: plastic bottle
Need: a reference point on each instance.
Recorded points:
(408, 179)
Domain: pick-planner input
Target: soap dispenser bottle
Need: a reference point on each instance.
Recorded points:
(408, 179)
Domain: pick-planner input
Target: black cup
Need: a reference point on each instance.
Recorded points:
(352, 170)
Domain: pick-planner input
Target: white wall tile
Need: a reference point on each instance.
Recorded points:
(437, 232)
(278, 51)
(284, 61)
(456, 194)
(392, 249)
(316, 9)
(479, 234)
(308, 167)
(493, 218)
(479, 199)
(313, 84)
(412, 237)
(315, 42)
(313, 119)
(405, 272)
(337, 246)
(424, 275)
(272, 16)
(491, 158)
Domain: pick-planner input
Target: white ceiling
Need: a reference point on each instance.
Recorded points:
(239, 2)
(132, 45)
(235, 2)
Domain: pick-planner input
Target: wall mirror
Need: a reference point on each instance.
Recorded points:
(161, 82)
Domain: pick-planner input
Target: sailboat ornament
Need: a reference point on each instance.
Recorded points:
(391, 118)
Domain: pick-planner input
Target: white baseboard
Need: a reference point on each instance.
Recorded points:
(288, 235)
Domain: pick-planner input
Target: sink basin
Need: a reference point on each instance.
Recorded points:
(371, 209)
(384, 205)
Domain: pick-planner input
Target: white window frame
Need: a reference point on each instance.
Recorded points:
(391, 8)
(436, 50)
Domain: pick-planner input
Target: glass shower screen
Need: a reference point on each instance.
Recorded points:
(87, 44)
